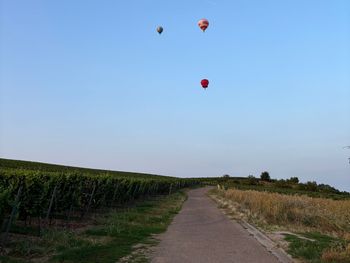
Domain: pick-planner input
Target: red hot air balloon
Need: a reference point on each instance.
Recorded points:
(204, 83)
(203, 24)
(159, 29)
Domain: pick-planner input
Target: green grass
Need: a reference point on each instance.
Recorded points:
(311, 251)
(111, 238)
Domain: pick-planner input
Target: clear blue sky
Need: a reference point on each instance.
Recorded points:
(91, 83)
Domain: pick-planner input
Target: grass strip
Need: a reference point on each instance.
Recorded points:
(111, 238)
(314, 251)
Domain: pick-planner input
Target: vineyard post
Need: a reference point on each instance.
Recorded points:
(99, 202)
(90, 200)
(13, 213)
(71, 207)
(171, 185)
(156, 191)
(103, 200)
(69, 191)
(114, 194)
(51, 201)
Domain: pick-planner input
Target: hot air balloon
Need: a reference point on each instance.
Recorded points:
(204, 83)
(203, 24)
(159, 29)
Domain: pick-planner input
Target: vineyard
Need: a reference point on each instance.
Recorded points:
(41, 192)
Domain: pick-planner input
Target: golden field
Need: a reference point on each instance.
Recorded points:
(296, 213)
(325, 215)
(337, 254)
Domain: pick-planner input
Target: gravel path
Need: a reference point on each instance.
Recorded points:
(202, 233)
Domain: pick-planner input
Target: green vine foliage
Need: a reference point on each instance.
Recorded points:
(75, 188)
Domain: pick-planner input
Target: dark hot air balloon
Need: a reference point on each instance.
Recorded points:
(203, 24)
(159, 29)
(204, 83)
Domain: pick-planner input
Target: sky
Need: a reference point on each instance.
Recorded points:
(91, 83)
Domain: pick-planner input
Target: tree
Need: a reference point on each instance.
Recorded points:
(226, 176)
(293, 180)
(265, 176)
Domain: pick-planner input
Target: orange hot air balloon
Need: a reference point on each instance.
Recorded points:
(203, 24)
(204, 83)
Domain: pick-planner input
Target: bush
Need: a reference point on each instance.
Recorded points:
(311, 186)
(252, 180)
(293, 180)
(265, 176)
(327, 189)
(282, 184)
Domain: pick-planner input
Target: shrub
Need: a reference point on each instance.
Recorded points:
(311, 186)
(282, 184)
(265, 176)
(327, 189)
(252, 180)
(293, 180)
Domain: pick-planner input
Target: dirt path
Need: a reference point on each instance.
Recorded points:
(202, 233)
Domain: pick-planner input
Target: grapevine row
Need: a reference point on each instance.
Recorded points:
(41, 192)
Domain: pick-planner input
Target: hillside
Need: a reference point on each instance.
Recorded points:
(47, 167)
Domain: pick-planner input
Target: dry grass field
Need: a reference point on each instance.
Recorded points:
(298, 213)
(325, 215)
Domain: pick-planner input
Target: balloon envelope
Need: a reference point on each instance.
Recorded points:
(203, 24)
(159, 29)
(204, 83)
